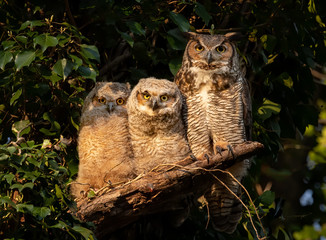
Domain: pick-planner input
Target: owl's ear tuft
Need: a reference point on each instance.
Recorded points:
(234, 36)
(128, 85)
(190, 35)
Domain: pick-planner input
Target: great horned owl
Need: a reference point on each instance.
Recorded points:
(155, 123)
(217, 115)
(104, 147)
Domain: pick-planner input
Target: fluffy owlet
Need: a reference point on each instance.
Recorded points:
(155, 122)
(104, 148)
(217, 115)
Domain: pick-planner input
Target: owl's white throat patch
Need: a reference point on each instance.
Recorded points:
(203, 93)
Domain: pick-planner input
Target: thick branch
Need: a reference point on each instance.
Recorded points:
(157, 190)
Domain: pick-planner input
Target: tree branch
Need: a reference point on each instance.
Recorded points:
(157, 190)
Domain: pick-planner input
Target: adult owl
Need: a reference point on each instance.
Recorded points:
(155, 124)
(104, 147)
(217, 115)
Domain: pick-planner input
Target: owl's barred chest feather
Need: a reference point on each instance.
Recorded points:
(215, 115)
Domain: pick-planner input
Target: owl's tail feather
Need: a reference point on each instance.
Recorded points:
(224, 208)
(229, 223)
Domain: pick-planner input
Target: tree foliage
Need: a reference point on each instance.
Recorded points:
(52, 52)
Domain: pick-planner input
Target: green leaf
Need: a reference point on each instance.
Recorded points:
(11, 149)
(90, 52)
(28, 185)
(286, 236)
(308, 232)
(15, 96)
(136, 28)
(34, 161)
(47, 132)
(17, 185)
(86, 233)
(267, 198)
(180, 21)
(58, 192)
(41, 212)
(288, 82)
(201, 11)
(3, 157)
(269, 42)
(21, 187)
(9, 177)
(21, 127)
(5, 57)
(176, 40)
(25, 208)
(46, 143)
(91, 194)
(7, 44)
(35, 23)
(45, 41)
(24, 59)
(76, 60)
(32, 175)
(60, 225)
(87, 72)
(126, 37)
(175, 65)
(7, 200)
(22, 39)
(74, 124)
(54, 78)
(268, 108)
(63, 67)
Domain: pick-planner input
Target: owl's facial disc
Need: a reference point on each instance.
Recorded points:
(154, 103)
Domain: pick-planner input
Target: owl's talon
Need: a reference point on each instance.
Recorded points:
(193, 158)
(218, 150)
(230, 149)
(109, 182)
(207, 157)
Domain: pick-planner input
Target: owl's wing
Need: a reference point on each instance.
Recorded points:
(181, 81)
(247, 109)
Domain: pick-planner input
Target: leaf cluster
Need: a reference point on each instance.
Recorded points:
(44, 70)
(33, 196)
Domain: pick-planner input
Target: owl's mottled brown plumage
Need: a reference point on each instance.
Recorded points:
(155, 122)
(217, 115)
(104, 148)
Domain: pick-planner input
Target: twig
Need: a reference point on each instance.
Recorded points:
(71, 17)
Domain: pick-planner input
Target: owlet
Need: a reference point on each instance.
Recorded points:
(155, 122)
(104, 147)
(217, 115)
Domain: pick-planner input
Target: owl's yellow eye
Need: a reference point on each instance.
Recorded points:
(164, 98)
(120, 101)
(102, 100)
(146, 96)
(221, 49)
(199, 48)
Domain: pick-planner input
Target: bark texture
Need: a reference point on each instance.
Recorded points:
(157, 191)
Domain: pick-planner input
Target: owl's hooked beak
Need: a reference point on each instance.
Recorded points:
(110, 106)
(209, 58)
(154, 104)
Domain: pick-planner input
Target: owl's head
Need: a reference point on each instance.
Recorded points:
(210, 52)
(155, 97)
(107, 98)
